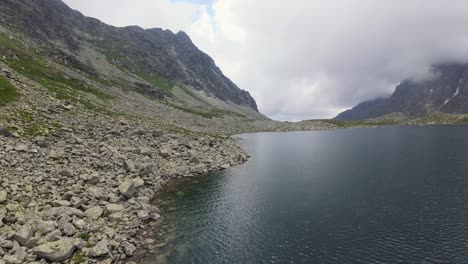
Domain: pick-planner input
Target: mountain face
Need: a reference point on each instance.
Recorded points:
(161, 58)
(446, 92)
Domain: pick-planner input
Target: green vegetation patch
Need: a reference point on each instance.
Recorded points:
(8, 92)
(355, 123)
(78, 257)
(156, 80)
(34, 67)
(207, 114)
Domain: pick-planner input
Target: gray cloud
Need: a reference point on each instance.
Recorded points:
(309, 59)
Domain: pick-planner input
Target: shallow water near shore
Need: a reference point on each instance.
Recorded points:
(367, 195)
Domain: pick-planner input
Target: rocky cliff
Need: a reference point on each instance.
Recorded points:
(445, 91)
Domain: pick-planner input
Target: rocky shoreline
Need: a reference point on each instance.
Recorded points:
(77, 197)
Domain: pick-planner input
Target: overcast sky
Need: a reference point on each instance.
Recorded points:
(304, 59)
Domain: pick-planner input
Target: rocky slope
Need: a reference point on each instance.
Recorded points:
(153, 59)
(445, 92)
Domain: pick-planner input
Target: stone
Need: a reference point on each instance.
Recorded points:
(6, 244)
(155, 216)
(158, 133)
(69, 229)
(21, 148)
(100, 249)
(114, 208)
(128, 248)
(128, 166)
(116, 217)
(41, 142)
(24, 234)
(18, 258)
(143, 215)
(61, 211)
(145, 151)
(59, 203)
(146, 169)
(94, 212)
(164, 152)
(4, 132)
(3, 196)
(194, 160)
(67, 107)
(129, 187)
(59, 250)
(66, 173)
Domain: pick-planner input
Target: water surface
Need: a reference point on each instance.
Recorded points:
(370, 195)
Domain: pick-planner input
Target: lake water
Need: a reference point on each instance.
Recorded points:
(365, 195)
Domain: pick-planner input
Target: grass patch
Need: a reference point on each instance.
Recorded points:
(204, 114)
(207, 114)
(78, 257)
(354, 123)
(84, 236)
(156, 80)
(63, 87)
(8, 92)
(9, 43)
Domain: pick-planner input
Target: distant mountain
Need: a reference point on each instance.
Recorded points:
(160, 57)
(446, 92)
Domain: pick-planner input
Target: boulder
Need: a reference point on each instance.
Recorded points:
(59, 250)
(21, 148)
(4, 132)
(164, 152)
(24, 234)
(68, 229)
(66, 173)
(146, 169)
(18, 258)
(143, 215)
(128, 166)
(129, 187)
(114, 208)
(61, 211)
(100, 249)
(194, 160)
(158, 133)
(3, 196)
(41, 142)
(128, 248)
(94, 212)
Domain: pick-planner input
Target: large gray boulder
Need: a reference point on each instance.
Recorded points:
(62, 211)
(24, 234)
(100, 249)
(129, 187)
(94, 212)
(59, 250)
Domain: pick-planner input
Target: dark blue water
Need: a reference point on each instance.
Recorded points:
(370, 195)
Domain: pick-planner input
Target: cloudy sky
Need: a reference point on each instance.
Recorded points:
(304, 59)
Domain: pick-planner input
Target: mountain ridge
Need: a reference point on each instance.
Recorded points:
(149, 53)
(446, 91)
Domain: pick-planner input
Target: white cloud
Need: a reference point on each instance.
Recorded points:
(165, 14)
(309, 59)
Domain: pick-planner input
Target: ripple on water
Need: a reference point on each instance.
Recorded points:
(387, 195)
